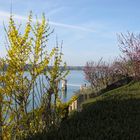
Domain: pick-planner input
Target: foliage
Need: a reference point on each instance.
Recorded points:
(102, 74)
(29, 98)
(63, 108)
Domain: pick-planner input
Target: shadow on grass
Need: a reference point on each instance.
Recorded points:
(102, 120)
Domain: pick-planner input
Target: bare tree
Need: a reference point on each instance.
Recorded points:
(130, 46)
(98, 74)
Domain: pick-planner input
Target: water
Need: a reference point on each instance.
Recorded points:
(74, 80)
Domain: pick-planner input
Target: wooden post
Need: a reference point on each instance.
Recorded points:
(64, 88)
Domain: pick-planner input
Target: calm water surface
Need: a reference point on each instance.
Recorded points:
(75, 79)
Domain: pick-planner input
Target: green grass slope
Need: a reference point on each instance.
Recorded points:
(114, 115)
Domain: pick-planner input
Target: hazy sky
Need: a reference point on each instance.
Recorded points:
(88, 28)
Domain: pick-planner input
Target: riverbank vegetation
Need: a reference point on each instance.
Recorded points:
(101, 74)
(104, 76)
(30, 104)
(113, 110)
(113, 115)
(30, 100)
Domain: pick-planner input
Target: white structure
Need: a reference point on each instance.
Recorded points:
(73, 106)
(64, 85)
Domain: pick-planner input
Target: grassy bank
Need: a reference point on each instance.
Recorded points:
(114, 115)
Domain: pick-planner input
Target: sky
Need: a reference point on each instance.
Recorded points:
(88, 28)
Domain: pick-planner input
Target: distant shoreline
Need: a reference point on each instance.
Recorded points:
(75, 67)
(27, 67)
